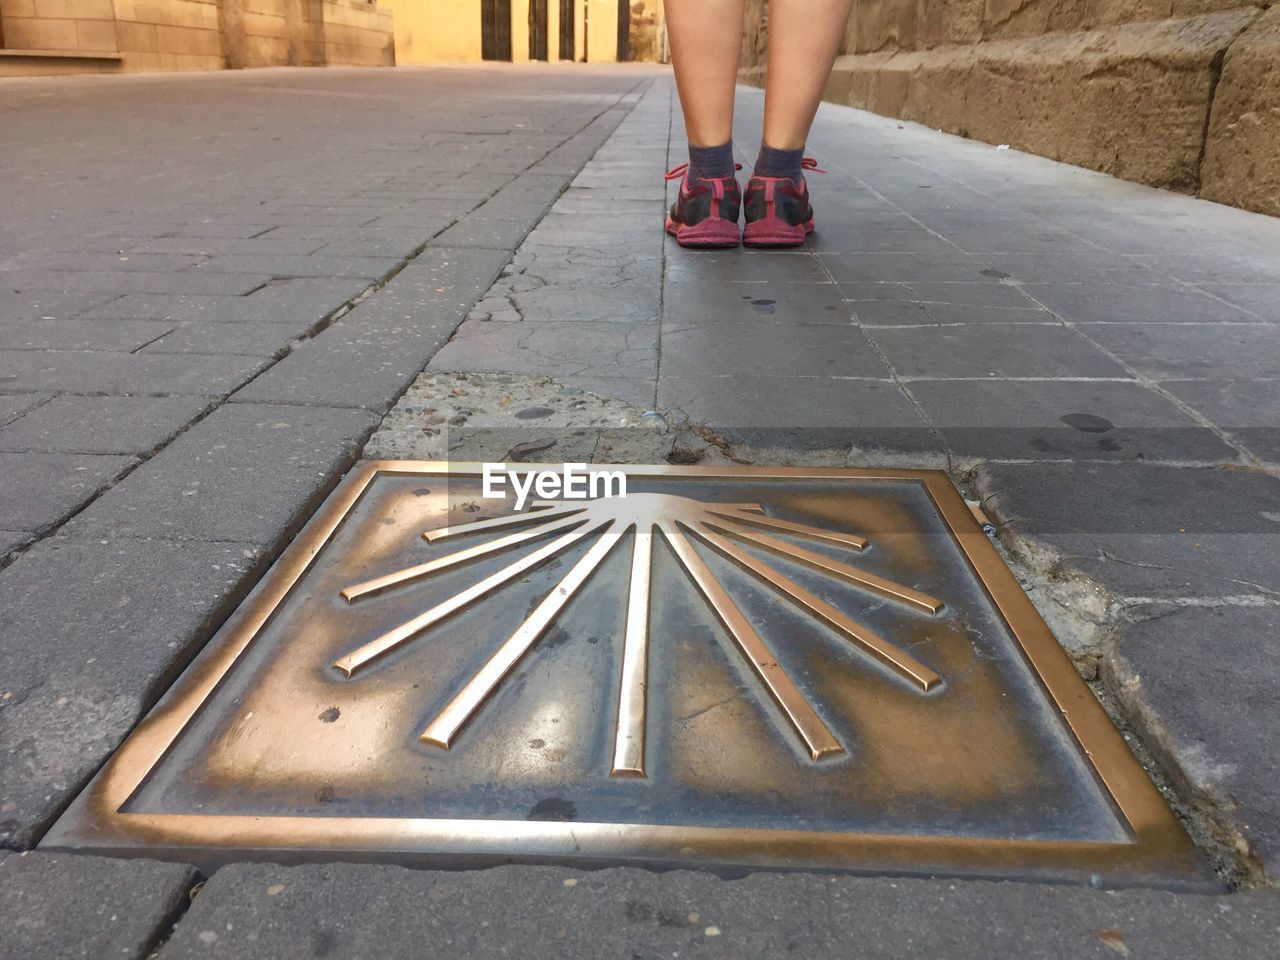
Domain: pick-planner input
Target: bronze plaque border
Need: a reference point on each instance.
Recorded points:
(1159, 851)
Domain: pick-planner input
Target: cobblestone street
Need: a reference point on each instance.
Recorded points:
(216, 289)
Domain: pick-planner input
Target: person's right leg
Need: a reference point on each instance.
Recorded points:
(804, 38)
(706, 40)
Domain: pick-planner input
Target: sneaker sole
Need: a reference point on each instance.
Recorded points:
(714, 232)
(775, 233)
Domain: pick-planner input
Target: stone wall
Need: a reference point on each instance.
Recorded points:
(169, 34)
(358, 34)
(80, 26)
(64, 36)
(266, 26)
(303, 33)
(1242, 149)
(646, 31)
(1180, 94)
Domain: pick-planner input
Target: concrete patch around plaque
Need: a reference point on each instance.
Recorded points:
(727, 667)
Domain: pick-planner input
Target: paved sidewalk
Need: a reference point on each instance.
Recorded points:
(1099, 363)
(208, 305)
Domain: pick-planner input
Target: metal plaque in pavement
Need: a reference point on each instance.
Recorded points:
(734, 668)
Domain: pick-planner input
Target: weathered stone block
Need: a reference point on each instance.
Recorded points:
(60, 907)
(1127, 100)
(1242, 153)
(878, 25)
(1121, 86)
(948, 21)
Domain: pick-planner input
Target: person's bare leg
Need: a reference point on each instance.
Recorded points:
(706, 42)
(804, 38)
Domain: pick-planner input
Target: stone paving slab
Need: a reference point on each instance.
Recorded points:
(362, 912)
(40, 490)
(1115, 303)
(562, 349)
(913, 313)
(15, 405)
(735, 303)
(10, 540)
(1260, 299)
(1146, 531)
(17, 305)
(1193, 351)
(292, 265)
(87, 908)
(1065, 420)
(80, 260)
(369, 356)
(69, 371)
(844, 422)
(1246, 409)
(348, 365)
(120, 425)
(767, 348)
(1203, 701)
(247, 472)
(122, 282)
(301, 302)
(113, 622)
(124, 336)
(1002, 351)
(751, 267)
(238, 339)
(489, 234)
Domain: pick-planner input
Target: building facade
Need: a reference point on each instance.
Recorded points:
(107, 36)
(519, 31)
(110, 36)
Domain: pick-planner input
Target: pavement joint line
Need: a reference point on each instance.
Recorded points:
(1210, 822)
(143, 346)
(903, 388)
(965, 462)
(1271, 599)
(566, 183)
(662, 281)
(168, 925)
(49, 530)
(955, 180)
(1155, 386)
(17, 415)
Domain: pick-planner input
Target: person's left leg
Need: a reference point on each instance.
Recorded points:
(706, 40)
(804, 38)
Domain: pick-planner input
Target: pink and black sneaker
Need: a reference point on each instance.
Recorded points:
(778, 210)
(705, 213)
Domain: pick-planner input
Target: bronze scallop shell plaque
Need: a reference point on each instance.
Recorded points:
(735, 668)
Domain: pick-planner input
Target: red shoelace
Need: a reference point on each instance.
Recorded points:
(676, 172)
(808, 163)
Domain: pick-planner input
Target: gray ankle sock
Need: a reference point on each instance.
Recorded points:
(711, 161)
(778, 163)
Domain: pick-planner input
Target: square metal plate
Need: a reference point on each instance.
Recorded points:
(733, 668)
